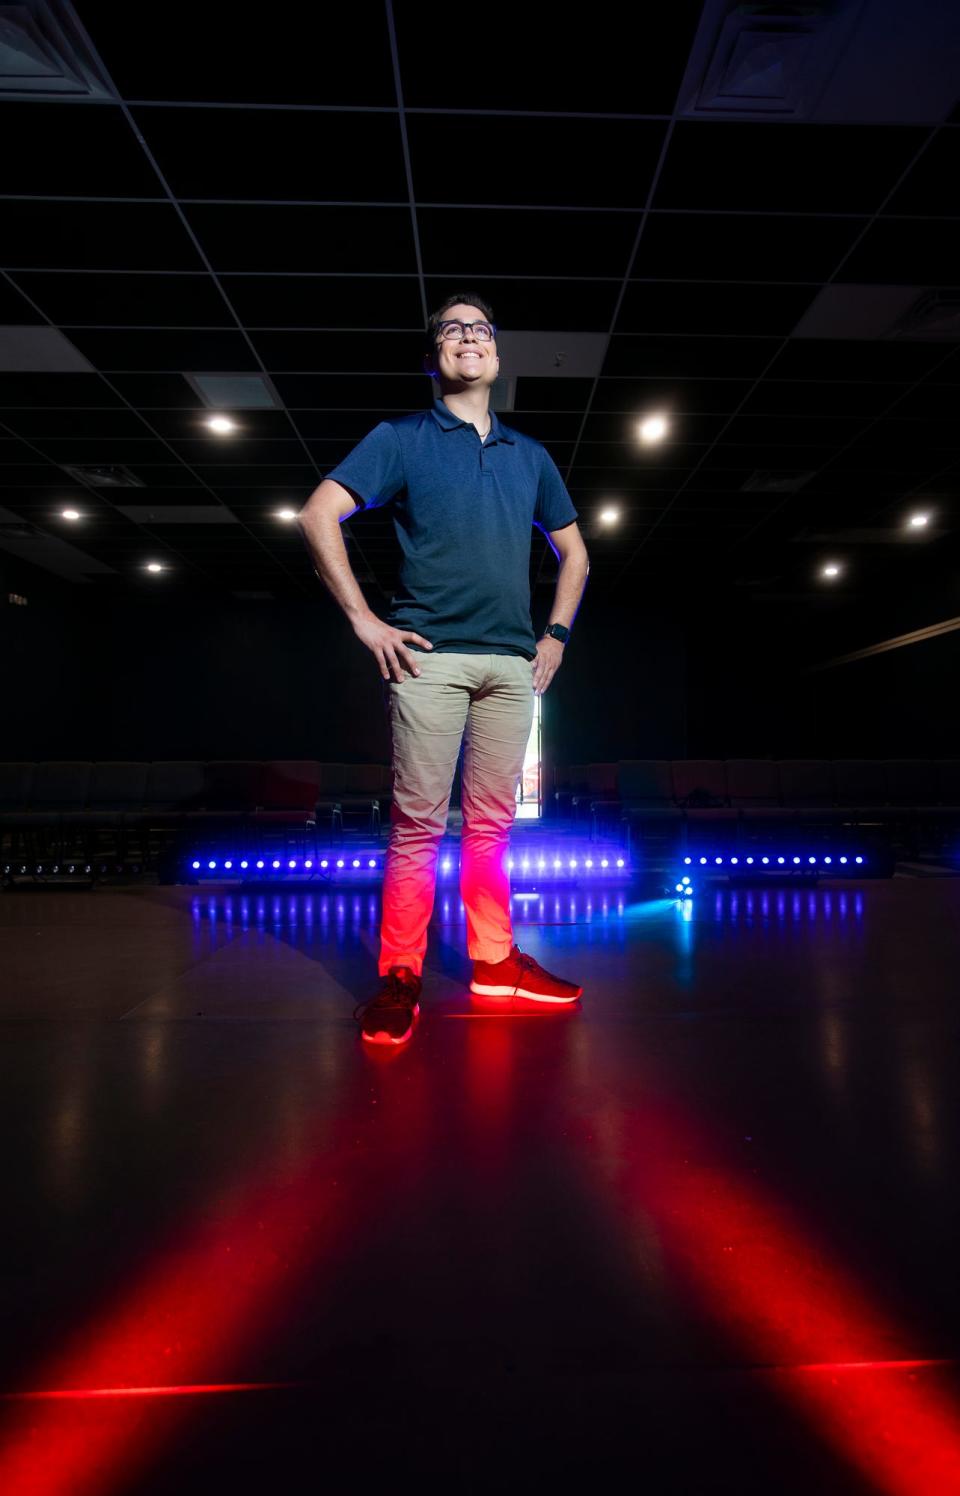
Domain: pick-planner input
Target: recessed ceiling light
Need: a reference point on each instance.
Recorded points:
(70, 514)
(653, 428)
(221, 423)
(831, 569)
(917, 521)
(286, 514)
(154, 566)
(609, 516)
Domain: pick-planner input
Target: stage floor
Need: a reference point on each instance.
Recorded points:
(698, 1235)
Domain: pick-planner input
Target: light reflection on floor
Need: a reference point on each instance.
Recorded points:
(355, 911)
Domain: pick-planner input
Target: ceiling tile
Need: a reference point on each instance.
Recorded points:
(340, 54)
(97, 236)
(278, 236)
(711, 307)
(326, 301)
(931, 184)
(559, 162)
(546, 66)
(467, 243)
(714, 396)
(751, 246)
(277, 153)
(163, 349)
(908, 251)
(883, 362)
(127, 300)
(24, 391)
(579, 305)
(321, 352)
(777, 167)
(76, 149)
(354, 391)
(649, 356)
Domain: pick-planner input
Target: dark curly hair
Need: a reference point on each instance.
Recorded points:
(460, 298)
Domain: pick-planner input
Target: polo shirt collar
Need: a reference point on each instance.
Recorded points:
(445, 417)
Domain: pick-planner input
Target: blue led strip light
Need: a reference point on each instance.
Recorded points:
(778, 860)
(545, 866)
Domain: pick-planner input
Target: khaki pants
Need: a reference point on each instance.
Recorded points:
(490, 699)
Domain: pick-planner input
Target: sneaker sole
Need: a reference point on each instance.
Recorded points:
(538, 997)
(382, 1037)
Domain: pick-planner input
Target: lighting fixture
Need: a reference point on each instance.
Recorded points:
(653, 428)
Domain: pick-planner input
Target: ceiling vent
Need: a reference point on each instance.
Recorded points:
(45, 54)
(764, 481)
(934, 315)
(766, 61)
(829, 61)
(107, 476)
(235, 391)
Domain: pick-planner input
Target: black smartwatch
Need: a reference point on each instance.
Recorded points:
(557, 631)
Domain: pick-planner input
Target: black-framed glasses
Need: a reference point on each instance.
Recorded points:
(453, 331)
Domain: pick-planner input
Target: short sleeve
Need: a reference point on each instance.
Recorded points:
(373, 471)
(554, 508)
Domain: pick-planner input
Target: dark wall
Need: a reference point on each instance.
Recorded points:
(708, 675)
(751, 691)
(173, 677)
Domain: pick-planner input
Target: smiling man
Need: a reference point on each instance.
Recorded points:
(457, 651)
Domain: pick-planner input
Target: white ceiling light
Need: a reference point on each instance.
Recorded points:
(154, 566)
(70, 514)
(831, 569)
(653, 429)
(609, 516)
(917, 521)
(287, 514)
(221, 423)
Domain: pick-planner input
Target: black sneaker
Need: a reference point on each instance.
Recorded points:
(388, 1018)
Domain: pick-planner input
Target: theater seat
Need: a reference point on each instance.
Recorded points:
(645, 791)
(807, 790)
(16, 784)
(116, 790)
(700, 789)
(290, 789)
(174, 787)
(861, 784)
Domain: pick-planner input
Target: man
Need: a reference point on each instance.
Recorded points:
(458, 649)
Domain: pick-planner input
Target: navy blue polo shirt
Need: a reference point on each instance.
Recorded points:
(463, 511)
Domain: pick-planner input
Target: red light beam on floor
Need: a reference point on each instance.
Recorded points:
(770, 1284)
(192, 1314)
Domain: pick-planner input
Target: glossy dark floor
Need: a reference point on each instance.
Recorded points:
(699, 1234)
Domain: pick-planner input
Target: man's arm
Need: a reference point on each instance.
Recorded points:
(319, 521)
(567, 545)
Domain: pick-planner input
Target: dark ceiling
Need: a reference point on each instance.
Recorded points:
(289, 197)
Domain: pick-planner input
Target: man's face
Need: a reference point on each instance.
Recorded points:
(466, 363)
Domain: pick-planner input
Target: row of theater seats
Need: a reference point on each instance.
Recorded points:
(170, 793)
(744, 797)
(756, 783)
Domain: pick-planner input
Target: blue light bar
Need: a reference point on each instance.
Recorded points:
(535, 865)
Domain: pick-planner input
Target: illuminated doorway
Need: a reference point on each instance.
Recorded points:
(529, 785)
